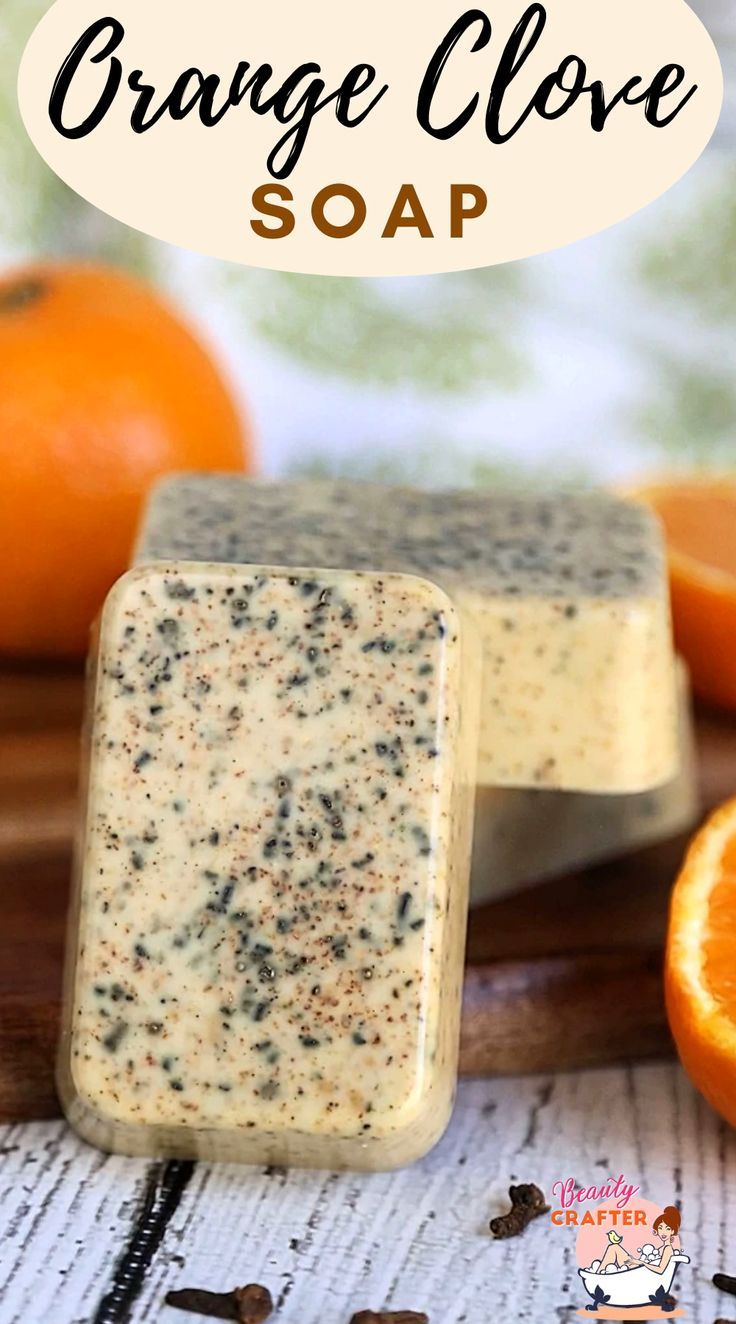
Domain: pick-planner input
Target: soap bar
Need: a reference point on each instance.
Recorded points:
(568, 593)
(523, 837)
(267, 937)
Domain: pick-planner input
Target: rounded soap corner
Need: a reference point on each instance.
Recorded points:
(81, 1113)
(422, 1129)
(148, 572)
(439, 597)
(166, 483)
(94, 1121)
(137, 574)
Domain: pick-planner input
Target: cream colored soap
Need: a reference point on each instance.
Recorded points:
(525, 837)
(569, 594)
(266, 947)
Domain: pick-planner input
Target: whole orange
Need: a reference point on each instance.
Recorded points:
(102, 389)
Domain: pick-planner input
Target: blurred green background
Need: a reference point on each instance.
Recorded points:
(605, 359)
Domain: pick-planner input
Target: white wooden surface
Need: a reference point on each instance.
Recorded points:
(328, 1245)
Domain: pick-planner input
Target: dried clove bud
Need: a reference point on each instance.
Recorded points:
(390, 1317)
(527, 1202)
(244, 1305)
(254, 1304)
(725, 1283)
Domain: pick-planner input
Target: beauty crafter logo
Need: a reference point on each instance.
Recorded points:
(628, 1248)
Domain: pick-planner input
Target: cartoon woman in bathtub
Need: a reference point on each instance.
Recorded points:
(666, 1226)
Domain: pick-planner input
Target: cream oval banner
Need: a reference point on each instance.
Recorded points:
(389, 138)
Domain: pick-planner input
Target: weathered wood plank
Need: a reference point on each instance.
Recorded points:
(326, 1245)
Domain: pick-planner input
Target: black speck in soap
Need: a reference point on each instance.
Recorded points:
(404, 904)
(308, 1041)
(363, 863)
(422, 839)
(143, 758)
(113, 1040)
(168, 628)
(178, 590)
(219, 907)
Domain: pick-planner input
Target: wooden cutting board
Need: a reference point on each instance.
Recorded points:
(566, 976)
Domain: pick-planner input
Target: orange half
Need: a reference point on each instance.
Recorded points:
(699, 517)
(700, 967)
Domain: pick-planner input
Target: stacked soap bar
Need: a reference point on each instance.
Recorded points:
(267, 953)
(568, 594)
(522, 837)
(266, 959)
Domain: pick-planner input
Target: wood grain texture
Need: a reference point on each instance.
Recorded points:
(566, 976)
(327, 1245)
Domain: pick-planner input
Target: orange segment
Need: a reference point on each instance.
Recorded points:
(699, 516)
(700, 967)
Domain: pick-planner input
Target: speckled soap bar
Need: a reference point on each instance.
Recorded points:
(522, 837)
(266, 946)
(569, 595)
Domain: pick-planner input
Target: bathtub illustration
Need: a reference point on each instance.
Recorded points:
(631, 1287)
